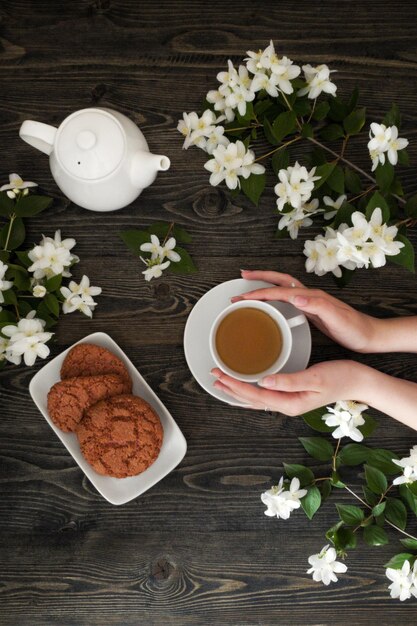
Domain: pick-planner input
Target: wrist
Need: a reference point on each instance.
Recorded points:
(362, 383)
(376, 331)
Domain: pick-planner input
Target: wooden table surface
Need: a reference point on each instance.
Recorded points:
(196, 549)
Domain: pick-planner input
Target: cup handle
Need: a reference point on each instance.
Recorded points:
(296, 321)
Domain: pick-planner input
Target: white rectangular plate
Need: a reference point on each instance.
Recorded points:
(115, 490)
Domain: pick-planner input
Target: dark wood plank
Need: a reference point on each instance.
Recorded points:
(196, 549)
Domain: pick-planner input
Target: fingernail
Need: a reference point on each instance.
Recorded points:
(245, 270)
(236, 299)
(299, 300)
(217, 385)
(213, 373)
(268, 381)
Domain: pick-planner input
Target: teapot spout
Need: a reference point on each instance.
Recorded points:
(145, 167)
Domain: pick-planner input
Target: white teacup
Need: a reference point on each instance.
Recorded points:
(284, 325)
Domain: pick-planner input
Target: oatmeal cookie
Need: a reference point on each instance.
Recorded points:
(88, 359)
(68, 399)
(120, 436)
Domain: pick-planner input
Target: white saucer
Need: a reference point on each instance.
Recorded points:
(197, 330)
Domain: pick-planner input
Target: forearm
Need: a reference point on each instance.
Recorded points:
(392, 396)
(397, 334)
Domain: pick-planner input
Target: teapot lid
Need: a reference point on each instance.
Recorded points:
(90, 144)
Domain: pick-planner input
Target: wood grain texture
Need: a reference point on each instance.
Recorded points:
(196, 549)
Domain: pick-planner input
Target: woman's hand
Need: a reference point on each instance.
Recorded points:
(294, 394)
(337, 320)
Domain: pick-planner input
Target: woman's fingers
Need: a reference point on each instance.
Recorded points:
(257, 396)
(221, 387)
(277, 278)
(283, 294)
(305, 380)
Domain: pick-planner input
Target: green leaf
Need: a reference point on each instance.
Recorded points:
(321, 111)
(54, 283)
(336, 180)
(338, 109)
(324, 172)
(379, 509)
(370, 425)
(253, 187)
(405, 258)
(336, 482)
(393, 117)
(409, 543)
(304, 474)
(6, 204)
(181, 235)
(307, 130)
(344, 539)
(269, 132)
(375, 535)
(317, 447)
(261, 106)
(384, 175)
(353, 100)
(397, 561)
(375, 201)
(20, 277)
(354, 454)
(134, 239)
(355, 121)
(403, 158)
(396, 512)
(411, 206)
(302, 107)
(284, 124)
(4, 256)
(311, 502)
(10, 297)
(16, 237)
(280, 160)
(29, 205)
(349, 514)
(325, 489)
(52, 303)
(352, 181)
(7, 316)
(315, 421)
(375, 479)
(371, 498)
(23, 258)
(382, 460)
(332, 132)
(409, 498)
(185, 265)
(24, 307)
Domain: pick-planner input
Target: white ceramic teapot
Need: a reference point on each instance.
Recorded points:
(98, 157)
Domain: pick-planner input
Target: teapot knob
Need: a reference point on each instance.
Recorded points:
(86, 139)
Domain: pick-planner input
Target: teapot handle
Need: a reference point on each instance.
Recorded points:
(40, 136)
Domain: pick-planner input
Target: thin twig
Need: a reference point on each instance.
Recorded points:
(363, 193)
(291, 109)
(284, 145)
(9, 232)
(404, 532)
(171, 226)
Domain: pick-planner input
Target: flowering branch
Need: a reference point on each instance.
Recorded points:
(31, 291)
(347, 419)
(269, 94)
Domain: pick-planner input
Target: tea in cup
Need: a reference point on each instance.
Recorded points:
(251, 339)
